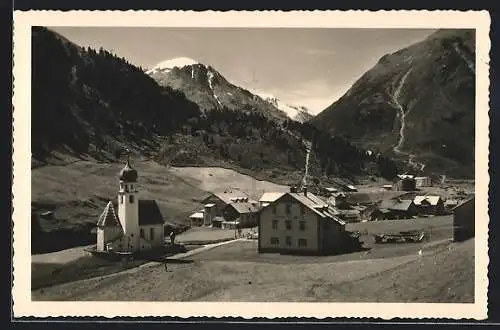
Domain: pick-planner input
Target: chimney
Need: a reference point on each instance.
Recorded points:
(304, 190)
(292, 189)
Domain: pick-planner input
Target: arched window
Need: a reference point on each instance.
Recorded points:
(121, 199)
(131, 198)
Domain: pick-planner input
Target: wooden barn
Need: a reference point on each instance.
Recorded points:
(464, 220)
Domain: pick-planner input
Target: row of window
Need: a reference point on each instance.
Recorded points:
(301, 242)
(288, 225)
(125, 187)
(288, 209)
(130, 199)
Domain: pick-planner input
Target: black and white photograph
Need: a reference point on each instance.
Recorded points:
(211, 162)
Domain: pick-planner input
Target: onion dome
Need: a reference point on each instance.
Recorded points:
(128, 174)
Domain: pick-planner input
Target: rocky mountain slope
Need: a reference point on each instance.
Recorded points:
(295, 112)
(417, 104)
(206, 87)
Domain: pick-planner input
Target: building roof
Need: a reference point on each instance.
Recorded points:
(432, 200)
(149, 213)
(108, 217)
(210, 205)
(227, 196)
(396, 205)
(270, 196)
(197, 215)
(315, 204)
(464, 202)
(244, 207)
(405, 176)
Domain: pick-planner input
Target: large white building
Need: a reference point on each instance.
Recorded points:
(137, 226)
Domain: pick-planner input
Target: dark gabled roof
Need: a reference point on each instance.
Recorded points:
(471, 199)
(108, 217)
(396, 205)
(149, 213)
(244, 207)
(313, 203)
(227, 196)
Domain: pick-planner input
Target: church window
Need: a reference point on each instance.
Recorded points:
(131, 198)
(142, 233)
(121, 199)
(152, 233)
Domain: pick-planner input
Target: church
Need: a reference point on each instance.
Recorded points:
(137, 226)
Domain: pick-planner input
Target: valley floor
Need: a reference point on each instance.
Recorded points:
(235, 271)
(444, 275)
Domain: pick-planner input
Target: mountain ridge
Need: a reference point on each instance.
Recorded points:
(208, 88)
(416, 103)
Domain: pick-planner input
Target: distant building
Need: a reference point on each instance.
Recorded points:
(350, 187)
(196, 219)
(431, 205)
(423, 181)
(331, 190)
(450, 204)
(387, 187)
(301, 223)
(395, 209)
(405, 184)
(222, 199)
(244, 213)
(464, 220)
(139, 224)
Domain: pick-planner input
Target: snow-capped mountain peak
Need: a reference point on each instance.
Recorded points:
(168, 65)
(295, 112)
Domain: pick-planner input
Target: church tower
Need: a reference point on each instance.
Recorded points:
(128, 206)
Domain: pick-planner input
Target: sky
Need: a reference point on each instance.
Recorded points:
(311, 67)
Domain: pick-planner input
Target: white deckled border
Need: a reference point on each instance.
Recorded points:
(23, 21)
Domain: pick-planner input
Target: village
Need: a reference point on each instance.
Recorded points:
(296, 221)
(240, 236)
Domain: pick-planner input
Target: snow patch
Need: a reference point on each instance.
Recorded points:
(294, 112)
(168, 65)
(210, 75)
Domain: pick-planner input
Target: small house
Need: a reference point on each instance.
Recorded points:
(423, 181)
(450, 204)
(222, 199)
(244, 212)
(464, 220)
(405, 184)
(387, 187)
(217, 222)
(196, 219)
(395, 209)
(429, 205)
